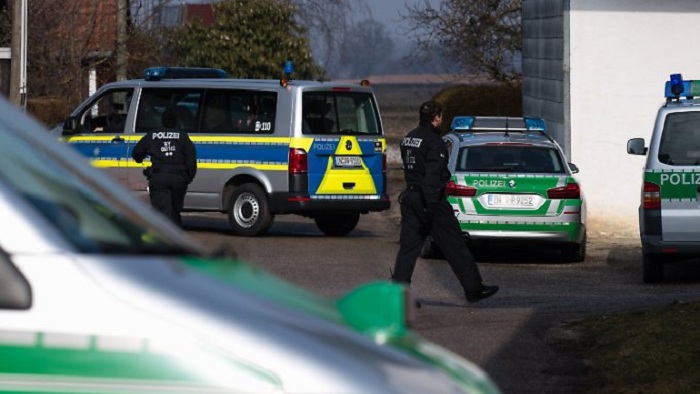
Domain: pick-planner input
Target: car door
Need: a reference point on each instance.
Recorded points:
(100, 132)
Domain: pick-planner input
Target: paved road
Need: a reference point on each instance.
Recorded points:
(510, 335)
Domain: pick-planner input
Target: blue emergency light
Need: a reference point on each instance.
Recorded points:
(677, 88)
(158, 73)
(288, 67)
(535, 124)
(462, 123)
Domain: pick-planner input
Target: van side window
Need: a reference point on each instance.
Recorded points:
(153, 102)
(341, 112)
(239, 111)
(108, 113)
(680, 139)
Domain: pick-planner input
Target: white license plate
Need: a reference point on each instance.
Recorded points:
(348, 161)
(511, 200)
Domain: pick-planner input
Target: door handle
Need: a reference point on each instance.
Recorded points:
(117, 138)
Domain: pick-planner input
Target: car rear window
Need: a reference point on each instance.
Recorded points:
(504, 158)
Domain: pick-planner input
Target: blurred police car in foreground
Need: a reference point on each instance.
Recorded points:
(511, 182)
(99, 294)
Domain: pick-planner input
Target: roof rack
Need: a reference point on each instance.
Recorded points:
(158, 73)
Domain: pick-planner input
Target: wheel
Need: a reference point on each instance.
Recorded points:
(249, 213)
(575, 253)
(337, 224)
(653, 268)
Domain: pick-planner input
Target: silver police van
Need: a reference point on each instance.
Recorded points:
(669, 213)
(264, 147)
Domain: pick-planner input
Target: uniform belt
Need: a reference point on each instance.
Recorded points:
(166, 170)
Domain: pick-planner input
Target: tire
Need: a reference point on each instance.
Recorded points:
(337, 224)
(574, 253)
(249, 212)
(653, 268)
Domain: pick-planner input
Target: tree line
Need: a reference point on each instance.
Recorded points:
(252, 39)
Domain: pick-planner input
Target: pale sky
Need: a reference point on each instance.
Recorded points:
(389, 12)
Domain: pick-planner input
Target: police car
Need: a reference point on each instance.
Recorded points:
(511, 182)
(264, 147)
(669, 215)
(99, 294)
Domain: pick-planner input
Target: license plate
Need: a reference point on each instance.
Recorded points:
(511, 200)
(348, 161)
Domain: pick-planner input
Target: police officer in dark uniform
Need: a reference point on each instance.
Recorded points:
(173, 165)
(426, 211)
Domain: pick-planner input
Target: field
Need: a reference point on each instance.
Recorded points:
(398, 104)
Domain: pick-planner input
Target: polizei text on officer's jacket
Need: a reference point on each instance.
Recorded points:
(166, 135)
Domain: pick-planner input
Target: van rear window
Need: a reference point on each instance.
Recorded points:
(680, 140)
(336, 112)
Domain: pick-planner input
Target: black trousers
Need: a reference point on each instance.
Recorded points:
(443, 227)
(167, 192)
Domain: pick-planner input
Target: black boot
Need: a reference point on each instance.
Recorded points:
(485, 292)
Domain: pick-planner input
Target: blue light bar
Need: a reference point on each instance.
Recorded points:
(462, 123)
(677, 88)
(535, 124)
(158, 73)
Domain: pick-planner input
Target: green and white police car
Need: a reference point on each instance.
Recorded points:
(669, 214)
(100, 294)
(511, 183)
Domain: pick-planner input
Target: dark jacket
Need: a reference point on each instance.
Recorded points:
(425, 157)
(171, 151)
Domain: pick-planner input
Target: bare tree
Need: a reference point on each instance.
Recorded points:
(328, 23)
(480, 35)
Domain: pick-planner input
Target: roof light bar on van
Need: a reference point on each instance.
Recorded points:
(287, 74)
(677, 88)
(158, 73)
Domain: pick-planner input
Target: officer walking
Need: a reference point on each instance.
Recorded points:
(173, 165)
(426, 211)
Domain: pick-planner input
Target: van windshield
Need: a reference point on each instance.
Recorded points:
(346, 113)
(680, 140)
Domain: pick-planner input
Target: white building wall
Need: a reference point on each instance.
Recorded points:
(621, 53)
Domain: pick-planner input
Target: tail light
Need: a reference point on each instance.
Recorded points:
(298, 161)
(453, 189)
(651, 196)
(572, 191)
(384, 163)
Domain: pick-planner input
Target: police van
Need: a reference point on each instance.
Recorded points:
(669, 213)
(264, 147)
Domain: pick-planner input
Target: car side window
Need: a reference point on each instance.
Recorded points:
(108, 113)
(239, 111)
(154, 101)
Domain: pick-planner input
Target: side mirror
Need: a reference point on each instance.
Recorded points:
(635, 146)
(70, 126)
(574, 168)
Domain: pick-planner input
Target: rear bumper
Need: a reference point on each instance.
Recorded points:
(537, 237)
(298, 203)
(653, 244)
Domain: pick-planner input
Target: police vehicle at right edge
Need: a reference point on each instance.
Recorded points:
(669, 214)
(511, 183)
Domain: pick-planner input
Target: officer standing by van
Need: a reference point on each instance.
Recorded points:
(173, 165)
(425, 210)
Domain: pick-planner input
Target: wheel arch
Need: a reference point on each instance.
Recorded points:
(246, 175)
